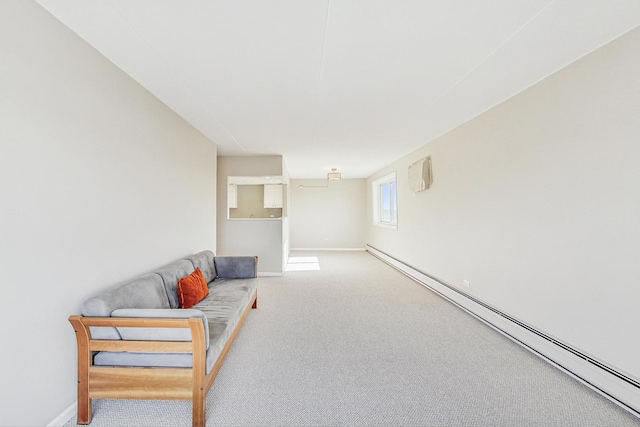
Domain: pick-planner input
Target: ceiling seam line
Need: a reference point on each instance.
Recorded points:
(180, 81)
(319, 76)
(483, 60)
(211, 115)
(501, 100)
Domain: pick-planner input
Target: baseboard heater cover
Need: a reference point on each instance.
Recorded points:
(619, 387)
(328, 249)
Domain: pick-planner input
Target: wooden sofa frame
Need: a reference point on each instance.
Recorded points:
(114, 382)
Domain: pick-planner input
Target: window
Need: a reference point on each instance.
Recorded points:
(385, 201)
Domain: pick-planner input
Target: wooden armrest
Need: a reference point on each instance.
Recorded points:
(142, 346)
(81, 325)
(137, 322)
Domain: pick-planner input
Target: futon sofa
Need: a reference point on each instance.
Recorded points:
(136, 342)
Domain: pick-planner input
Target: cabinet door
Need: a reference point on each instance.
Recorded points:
(277, 196)
(272, 196)
(232, 196)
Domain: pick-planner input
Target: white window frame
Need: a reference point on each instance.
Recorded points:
(377, 201)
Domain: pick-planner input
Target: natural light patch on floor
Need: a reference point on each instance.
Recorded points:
(303, 263)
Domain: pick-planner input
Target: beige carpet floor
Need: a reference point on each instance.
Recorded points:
(351, 341)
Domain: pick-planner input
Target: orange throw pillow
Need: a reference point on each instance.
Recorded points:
(192, 289)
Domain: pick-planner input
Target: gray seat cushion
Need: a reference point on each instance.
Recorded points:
(160, 334)
(227, 300)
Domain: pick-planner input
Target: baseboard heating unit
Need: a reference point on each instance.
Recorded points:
(619, 387)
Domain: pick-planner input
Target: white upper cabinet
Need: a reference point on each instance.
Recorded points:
(232, 196)
(273, 196)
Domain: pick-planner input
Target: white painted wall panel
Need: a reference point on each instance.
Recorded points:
(536, 204)
(255, 237)
(328, 217)
(99, 181)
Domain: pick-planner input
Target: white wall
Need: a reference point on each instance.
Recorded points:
(99, 181)
(286, 221)
(537, 204)
(328, 217)
(249, 237)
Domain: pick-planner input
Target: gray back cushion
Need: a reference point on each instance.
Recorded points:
(144, 292)
(236, 267)
(204, 260)
(170, 276)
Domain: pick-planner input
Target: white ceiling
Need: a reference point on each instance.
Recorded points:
(352, 84)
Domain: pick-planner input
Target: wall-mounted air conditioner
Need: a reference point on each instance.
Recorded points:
(420, 175)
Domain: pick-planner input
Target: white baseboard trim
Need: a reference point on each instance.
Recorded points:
(268, 274)
(65, 416)
(328, 249)
(569, 360)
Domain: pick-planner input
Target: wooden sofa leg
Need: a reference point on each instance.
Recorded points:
(84, 362)
(198, 404)
(84, 401)
(255, 301)
(199, 392)
(84, 407)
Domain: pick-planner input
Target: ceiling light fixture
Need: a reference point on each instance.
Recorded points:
(331, 176)
(334, 174)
